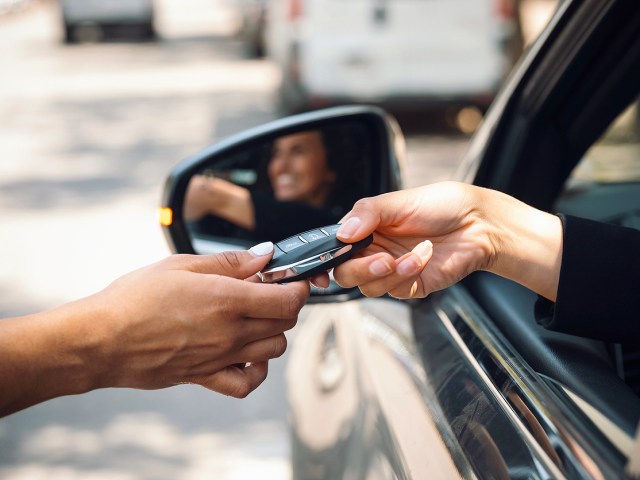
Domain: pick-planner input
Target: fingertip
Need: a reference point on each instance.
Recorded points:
(409, 265)
(424, 250)
(380, 267)
(258, 372)
(320, 281)
(413, 262)
(262, 249)
(349, 228)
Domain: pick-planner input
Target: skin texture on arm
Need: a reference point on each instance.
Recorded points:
(429, 238)
(186, 319)
(218, 197)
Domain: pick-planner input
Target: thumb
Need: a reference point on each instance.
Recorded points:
(239, 264)
(362, 220)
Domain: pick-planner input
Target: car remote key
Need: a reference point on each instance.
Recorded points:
(309, 253)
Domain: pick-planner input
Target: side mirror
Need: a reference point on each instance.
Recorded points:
(288, 176)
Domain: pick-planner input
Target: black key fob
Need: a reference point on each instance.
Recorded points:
(309, 253)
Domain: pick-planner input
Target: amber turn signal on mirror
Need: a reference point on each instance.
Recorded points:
(165, 216)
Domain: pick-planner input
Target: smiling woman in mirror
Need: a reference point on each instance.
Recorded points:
(303, 181)
(299, 170)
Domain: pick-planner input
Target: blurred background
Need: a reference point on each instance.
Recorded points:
(99, 99)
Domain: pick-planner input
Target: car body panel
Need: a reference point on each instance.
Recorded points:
(365, 377)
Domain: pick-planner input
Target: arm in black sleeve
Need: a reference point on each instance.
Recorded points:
(599, 288)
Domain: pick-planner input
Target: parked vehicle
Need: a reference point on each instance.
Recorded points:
(465, 383)
(94, 19)
(252, 14)
(408, 53)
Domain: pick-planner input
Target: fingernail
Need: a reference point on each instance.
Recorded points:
(423, 250)
(408, 266)
(349, 228)
(380, 268)
(261, 249)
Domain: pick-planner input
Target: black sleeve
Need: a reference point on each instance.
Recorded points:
(599, 287)
(277, 220)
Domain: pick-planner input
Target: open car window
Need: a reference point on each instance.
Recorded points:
(605, 185)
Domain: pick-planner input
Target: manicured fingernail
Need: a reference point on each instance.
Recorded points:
(423, 250)
(261, 249)
(408, 266)
(349, 228)
(380, 268)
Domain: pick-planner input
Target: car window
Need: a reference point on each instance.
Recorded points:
(605, 185)
(616, 156)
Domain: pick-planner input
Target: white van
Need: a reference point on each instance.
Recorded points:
(391, 52)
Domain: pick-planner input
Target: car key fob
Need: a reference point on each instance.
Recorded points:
(309, 253)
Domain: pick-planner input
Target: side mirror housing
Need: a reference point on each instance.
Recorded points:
(282, 178)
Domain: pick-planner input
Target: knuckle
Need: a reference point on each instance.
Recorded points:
(230, 343)
(241, 390)
(290, 323)
(369, 292)
(292, 303)
(342, 279)
(230, 259)
(279, 346)
(363, 203)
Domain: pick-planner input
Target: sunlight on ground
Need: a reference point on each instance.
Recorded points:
(237, 455)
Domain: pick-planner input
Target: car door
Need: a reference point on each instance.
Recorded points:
(561, 115)
(475, 388)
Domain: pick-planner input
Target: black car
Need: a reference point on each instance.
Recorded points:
(465, 383)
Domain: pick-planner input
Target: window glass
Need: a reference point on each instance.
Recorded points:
(616, 156)
(605, 185)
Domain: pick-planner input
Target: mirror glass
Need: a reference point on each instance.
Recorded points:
(270, 190)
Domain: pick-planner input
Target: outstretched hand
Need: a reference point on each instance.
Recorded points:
(425, 239)
(185, 319)
(429, 238)
(189, 319)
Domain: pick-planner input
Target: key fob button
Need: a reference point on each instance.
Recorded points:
(313, 235)
(331, 229)
(277, 252)
(290, 243)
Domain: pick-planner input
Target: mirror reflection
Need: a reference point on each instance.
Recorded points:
(270, 191)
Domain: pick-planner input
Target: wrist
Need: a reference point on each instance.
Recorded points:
(76, 328)
(45, 355)
(528, 244)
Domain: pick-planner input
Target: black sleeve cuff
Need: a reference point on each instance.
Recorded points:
(599, 286)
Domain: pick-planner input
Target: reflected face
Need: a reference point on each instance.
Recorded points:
(298, 169)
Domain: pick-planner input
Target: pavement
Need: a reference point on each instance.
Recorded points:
(87, 136)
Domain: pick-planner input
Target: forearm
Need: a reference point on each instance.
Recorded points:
(527, 243)
(46, 355)
(231, 202)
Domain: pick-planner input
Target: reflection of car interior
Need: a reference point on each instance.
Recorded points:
(299, 181)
